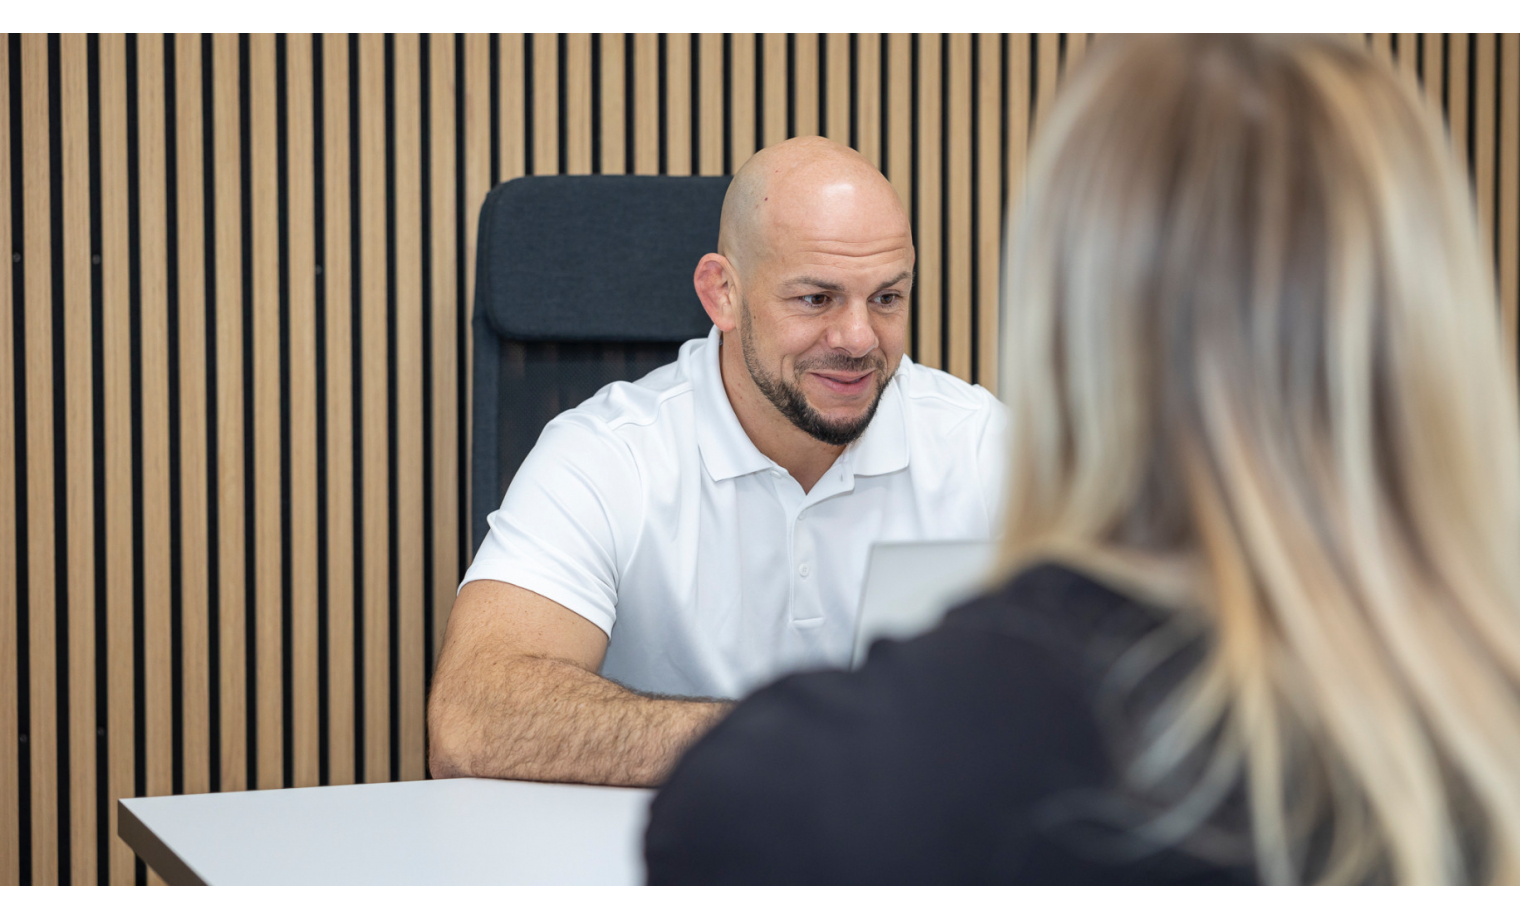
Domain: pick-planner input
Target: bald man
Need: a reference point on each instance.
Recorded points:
(677, 541)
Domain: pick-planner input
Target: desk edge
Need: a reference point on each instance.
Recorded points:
(153, 851)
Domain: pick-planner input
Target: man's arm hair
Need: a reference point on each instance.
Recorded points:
(516, 695)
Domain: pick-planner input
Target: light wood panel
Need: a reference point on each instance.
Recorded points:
(79, 451)
(10, 726)
(284, 358)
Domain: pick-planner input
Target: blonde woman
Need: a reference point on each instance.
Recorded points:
(1258, 620)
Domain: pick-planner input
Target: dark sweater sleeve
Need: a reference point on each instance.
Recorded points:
(926, 766)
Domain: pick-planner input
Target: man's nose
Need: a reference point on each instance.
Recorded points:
(852, 332)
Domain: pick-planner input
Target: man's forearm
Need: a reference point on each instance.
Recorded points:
(551, 720)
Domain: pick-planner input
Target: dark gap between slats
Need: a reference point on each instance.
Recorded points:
(356, 383)
(393, 549)
(462, 328)
(134, 300)
(282, 251)
(629, 106)
(319, 259)
(561, 123)
(530, 165)
(915, 309)
(728, 98)
(1472, 113)
(661, 92)
(213, 423)
(694, 78)
(854, 117)
(596, 115)
(791, 84)
(883, 100)
(23, 543)
(944, 201)
(759, 55)
(250, 541)
(60, 464)
(495, 92)
(429, 551)
(98, 474)
(821, 58)
(176, 497)
(976, 208)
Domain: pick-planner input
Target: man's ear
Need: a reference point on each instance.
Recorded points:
(716, 283)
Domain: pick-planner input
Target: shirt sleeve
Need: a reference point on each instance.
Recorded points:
(569, 520)
(992, 463)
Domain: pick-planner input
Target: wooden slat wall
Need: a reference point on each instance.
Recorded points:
(235, 360)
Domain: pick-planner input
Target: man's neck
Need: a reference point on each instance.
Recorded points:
(794, 450)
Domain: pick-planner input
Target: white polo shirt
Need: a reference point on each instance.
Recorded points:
(648, 511)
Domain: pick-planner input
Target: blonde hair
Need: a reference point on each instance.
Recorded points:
(1253, 370)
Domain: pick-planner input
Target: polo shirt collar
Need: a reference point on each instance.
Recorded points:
(727, 451)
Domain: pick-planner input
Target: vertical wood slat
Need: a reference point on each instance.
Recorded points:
(868, 96)
(775, 87)
(375, 498)
(678, 104)
(1047, 45)
(477, 165)
(959, 243)
(989, 118)
(577, 102)
(741, 100)
(510, 104)
(614, 131)
(1076, 49)
(1509, 192)
(710, 101)
(1457, 90)
(545, 103)
(1434, 80)
(899, 152)
(837, 88)
(153, 358)
(301, 334)
(1018, 45)
(409, 435)
(10, 724)
(447, 313)
(195, 751)
(1409, 58)
(267, 576)
(928, 236)
(122, 718)
(805, 87)
(1483, 135)
(232, 610)
(79, 437)
(646, 104)
(42, 738)
(337, 279)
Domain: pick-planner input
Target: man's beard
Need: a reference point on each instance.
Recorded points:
(788, 398)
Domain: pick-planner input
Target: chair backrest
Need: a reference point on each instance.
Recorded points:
(579, 281)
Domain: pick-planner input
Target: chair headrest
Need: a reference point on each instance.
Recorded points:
(596, 258)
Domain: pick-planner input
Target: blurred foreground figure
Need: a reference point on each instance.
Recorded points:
(1257, 616)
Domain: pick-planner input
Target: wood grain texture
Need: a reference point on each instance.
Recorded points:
(775, 87)
(79, 450)
(710, 104)
(511, 71)
(10, 716)
(1434, 78)
(545, 103)
(338, 290)
(646, 104)
(1484, 137)
(1018, 47)
(1458, 88)
(375, 373)
(989, 198)
(805, 84)
(1409, 58)
(929, 318)
(577, 102)
(868, 90)
(301, 333)
(409, 436)
(477, 183)
(614, 101)
(837, 88)
(116, 387)
(194, 415)
(959, 243)
(741, 98)
(1076, 49)
(678, 112)
(899, 152)
(268, 573)
(42, 596)
(1047, 50)
(232, 521)
(445, 316)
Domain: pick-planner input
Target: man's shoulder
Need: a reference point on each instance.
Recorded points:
(931, 394)
(661, 398)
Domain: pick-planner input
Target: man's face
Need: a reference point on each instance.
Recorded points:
(824, 317)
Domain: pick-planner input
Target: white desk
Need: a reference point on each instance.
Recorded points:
(435, 832)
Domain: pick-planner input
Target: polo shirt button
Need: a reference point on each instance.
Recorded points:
(803, 570)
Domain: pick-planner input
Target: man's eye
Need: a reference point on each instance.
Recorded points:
(815, 300)
(888, 300)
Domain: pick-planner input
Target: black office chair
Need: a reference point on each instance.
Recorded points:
(579, 281)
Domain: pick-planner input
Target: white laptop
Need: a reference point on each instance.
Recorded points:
(909, 586)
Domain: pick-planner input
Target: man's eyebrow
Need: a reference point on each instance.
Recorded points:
(810, 281)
